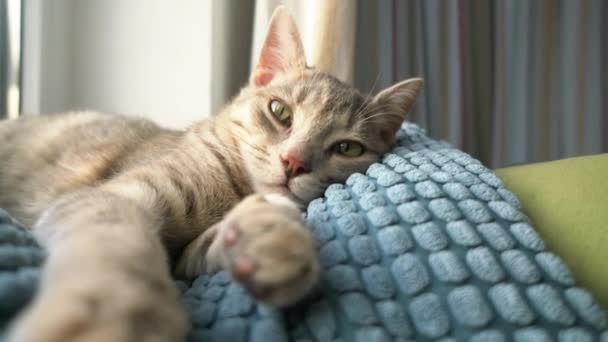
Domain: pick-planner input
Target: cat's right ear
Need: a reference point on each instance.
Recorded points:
(396, 101)
(282, 49)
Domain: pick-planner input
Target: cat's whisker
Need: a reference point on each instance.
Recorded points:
(371, 114)
(364, 106)
(376, 115)
(366, 102)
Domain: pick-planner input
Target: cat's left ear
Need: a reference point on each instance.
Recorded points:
(282, 50)
(397, 101)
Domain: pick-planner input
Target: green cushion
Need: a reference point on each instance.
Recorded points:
(567, 200)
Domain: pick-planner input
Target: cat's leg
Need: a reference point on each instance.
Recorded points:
(194, 260)
(263, 243)
(106, 277)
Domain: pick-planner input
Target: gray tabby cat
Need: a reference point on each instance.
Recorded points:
(121, 203)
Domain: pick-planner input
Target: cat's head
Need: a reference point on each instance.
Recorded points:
(300, 129)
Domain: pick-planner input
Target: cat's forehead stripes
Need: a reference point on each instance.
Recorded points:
(326, 93)
(328, 106)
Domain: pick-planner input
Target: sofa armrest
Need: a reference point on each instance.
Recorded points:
(567, 200)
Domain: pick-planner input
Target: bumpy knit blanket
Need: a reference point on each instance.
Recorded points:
(427, 245)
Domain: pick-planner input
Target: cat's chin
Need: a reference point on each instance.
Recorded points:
(280, 189)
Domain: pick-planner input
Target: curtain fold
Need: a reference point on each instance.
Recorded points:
(4, 58)
(231, 47)
(508, 81)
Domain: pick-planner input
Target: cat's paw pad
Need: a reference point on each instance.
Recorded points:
(271, 254)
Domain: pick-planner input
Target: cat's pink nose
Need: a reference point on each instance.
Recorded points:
(293, 165)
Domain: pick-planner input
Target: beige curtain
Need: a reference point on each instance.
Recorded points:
(327, 28)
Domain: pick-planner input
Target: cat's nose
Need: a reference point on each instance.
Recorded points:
(293, 165)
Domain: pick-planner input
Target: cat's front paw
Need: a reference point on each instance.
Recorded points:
(117, 312)
(266, 248)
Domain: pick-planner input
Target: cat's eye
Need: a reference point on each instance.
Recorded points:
(280, 111)
(348, 148)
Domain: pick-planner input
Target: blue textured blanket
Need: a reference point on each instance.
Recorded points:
(428, 245)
